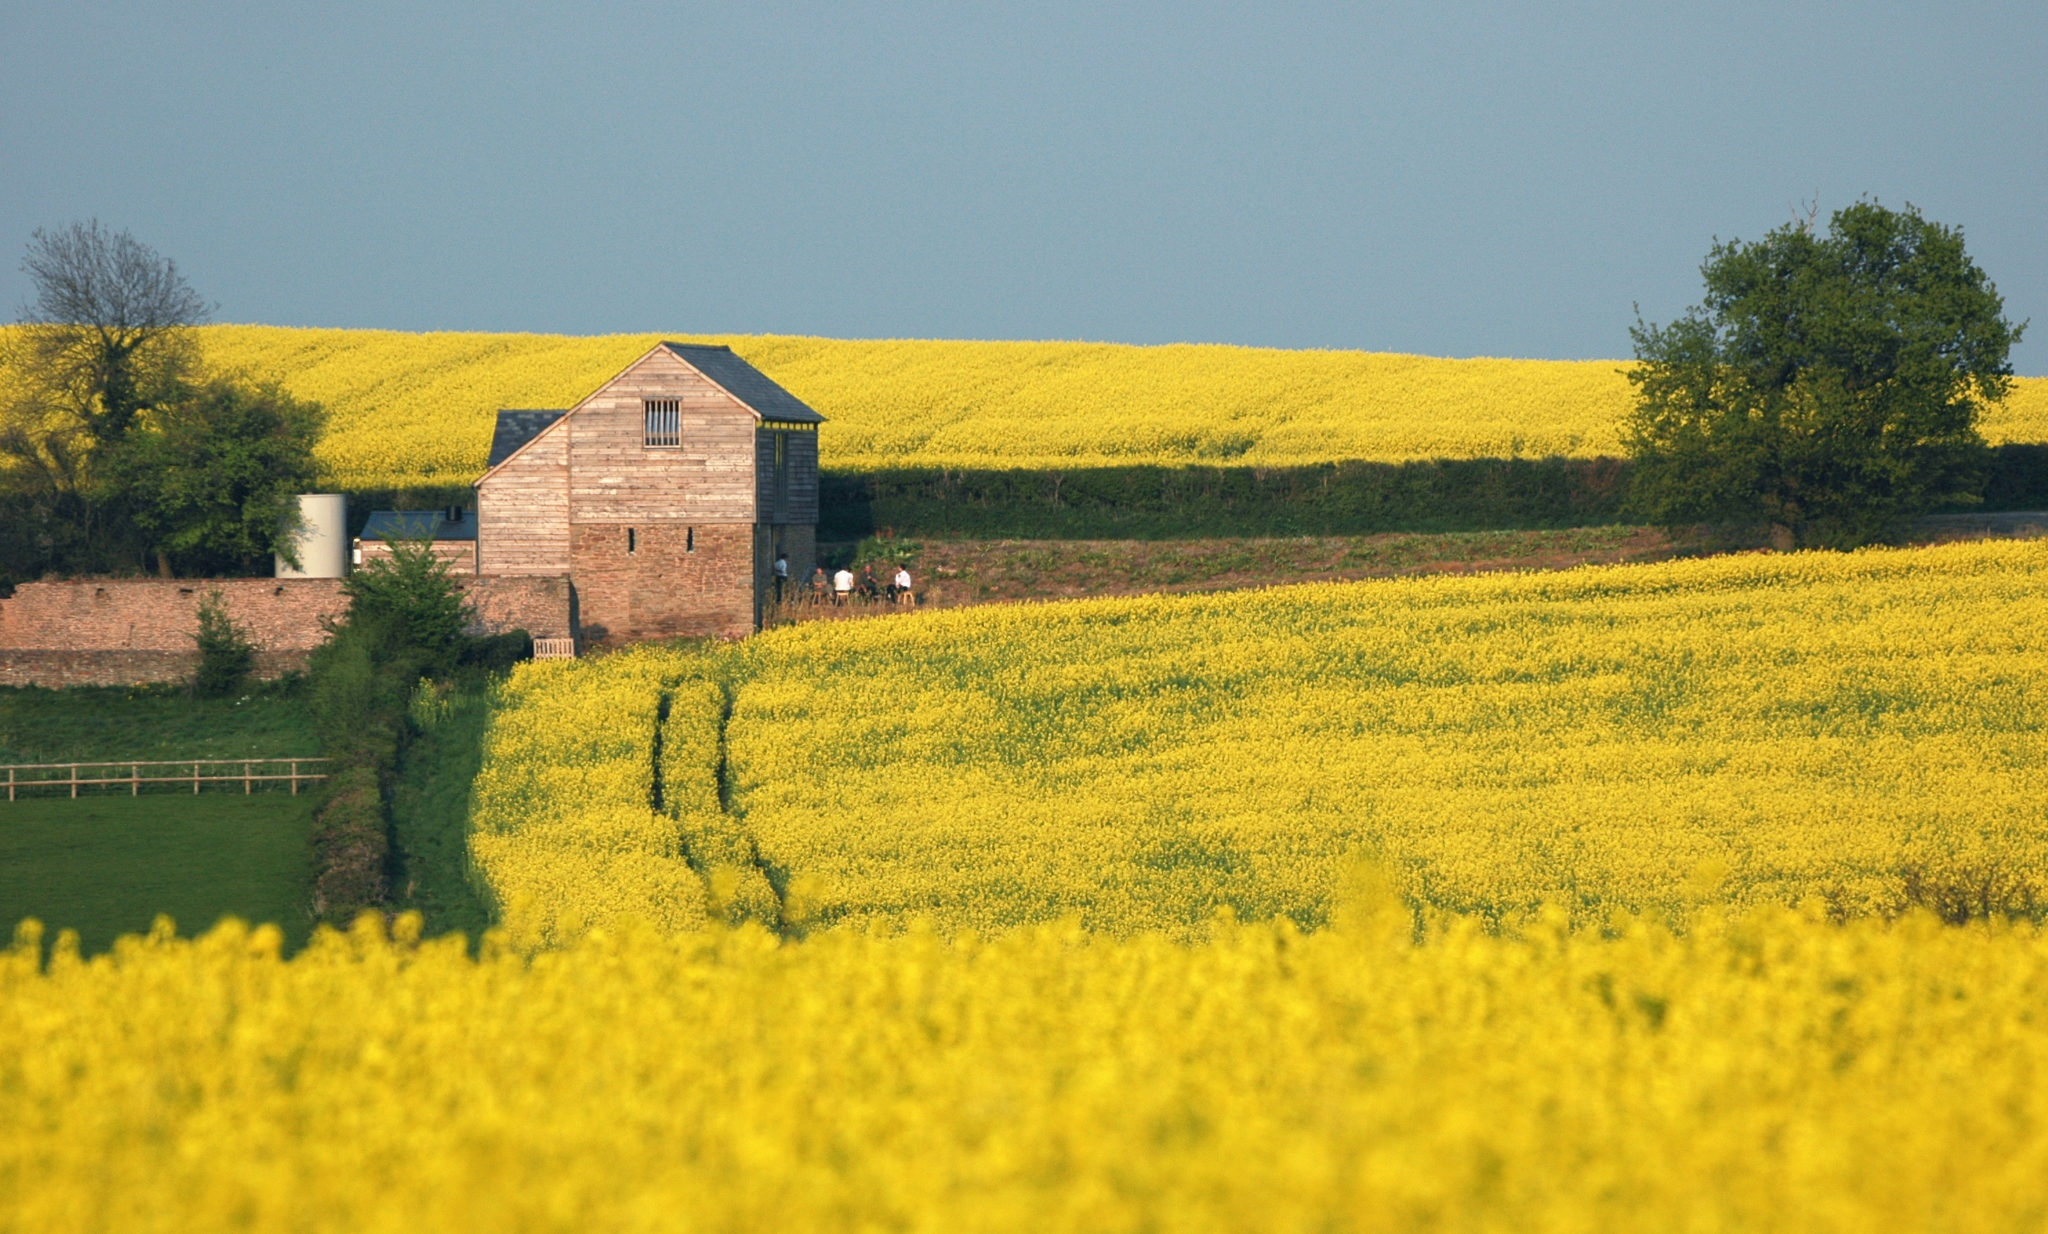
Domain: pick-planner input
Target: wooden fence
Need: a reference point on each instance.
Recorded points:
(554, 649)
(27, 779)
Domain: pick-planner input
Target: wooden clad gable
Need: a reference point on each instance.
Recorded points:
(616, 477)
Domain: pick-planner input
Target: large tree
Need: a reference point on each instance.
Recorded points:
(107, 338)
(210, 478)
(1829, 385)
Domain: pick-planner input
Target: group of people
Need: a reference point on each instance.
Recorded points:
(843, 586)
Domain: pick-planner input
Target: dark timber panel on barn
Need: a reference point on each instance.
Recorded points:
(786, 487)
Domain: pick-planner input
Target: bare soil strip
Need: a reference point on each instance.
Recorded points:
(958, 573)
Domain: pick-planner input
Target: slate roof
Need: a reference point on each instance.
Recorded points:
(744, 382)
(421, 524)
(515, 429)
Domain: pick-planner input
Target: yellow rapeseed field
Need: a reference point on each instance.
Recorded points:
(1774, 1073)
(1864, 729)
(418, 408)
(1605, 900)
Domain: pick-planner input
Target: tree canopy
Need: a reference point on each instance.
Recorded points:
(209, 477)
(116, 454)
(1828, 385)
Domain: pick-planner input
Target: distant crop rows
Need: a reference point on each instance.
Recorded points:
(1859, 732)
(1862, 730)
(417, 409)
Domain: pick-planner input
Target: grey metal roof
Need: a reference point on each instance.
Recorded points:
(420, 524)
(515, 429)
(745, 382)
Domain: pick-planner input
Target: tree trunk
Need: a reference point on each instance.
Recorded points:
(163, 565)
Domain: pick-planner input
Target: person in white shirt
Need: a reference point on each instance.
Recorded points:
(781, 576)
(842, 585)
(903, 593)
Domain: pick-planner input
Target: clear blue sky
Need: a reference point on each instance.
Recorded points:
(1439, 178)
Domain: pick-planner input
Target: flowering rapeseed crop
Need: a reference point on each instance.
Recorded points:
(1866, 729)
(1856, 734)
(566, 836)
(1779, 1073)
(418, 408)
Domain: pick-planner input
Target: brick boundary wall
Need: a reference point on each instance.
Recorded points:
(127, 631)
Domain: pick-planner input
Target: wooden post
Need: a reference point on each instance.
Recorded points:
(245, 777)
(195, 777)
(135, 779)
(74, 781)
(295, 777)
(10, 784)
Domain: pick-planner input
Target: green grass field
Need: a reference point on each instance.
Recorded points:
(106, 866)
(88, 725)
(430, 804)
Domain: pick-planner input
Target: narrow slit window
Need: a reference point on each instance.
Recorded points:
(632, 540)
(664, 423)
(689, 539)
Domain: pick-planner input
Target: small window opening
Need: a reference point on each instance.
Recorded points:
(632, 540)
(689, 539)
(664, 423)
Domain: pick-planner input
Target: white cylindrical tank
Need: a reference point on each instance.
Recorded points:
(322, 541)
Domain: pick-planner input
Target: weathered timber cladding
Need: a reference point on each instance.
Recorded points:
(614, 477)
(786, 491)
(522, 510)
(663, 580)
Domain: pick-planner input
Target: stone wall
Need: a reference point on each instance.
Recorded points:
(125, 631)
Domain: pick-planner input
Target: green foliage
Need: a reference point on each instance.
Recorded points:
(105, 343)
(373, 688)
(430, 803)
(1170, 503)
(226, 656)
(408, 605)
(210, 479)
(1829, 385)
(497, 653)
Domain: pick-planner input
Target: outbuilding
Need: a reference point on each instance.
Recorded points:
(451, 533)
(664, 496)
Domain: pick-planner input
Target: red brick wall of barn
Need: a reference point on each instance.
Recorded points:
(663, 580)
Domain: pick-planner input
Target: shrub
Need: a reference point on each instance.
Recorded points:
(408, 603)
(226, 656)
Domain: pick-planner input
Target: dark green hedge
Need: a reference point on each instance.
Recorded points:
(1149, 502)
(1158, 503)
(1349, 498)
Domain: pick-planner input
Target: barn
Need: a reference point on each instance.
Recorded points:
(664, 497)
